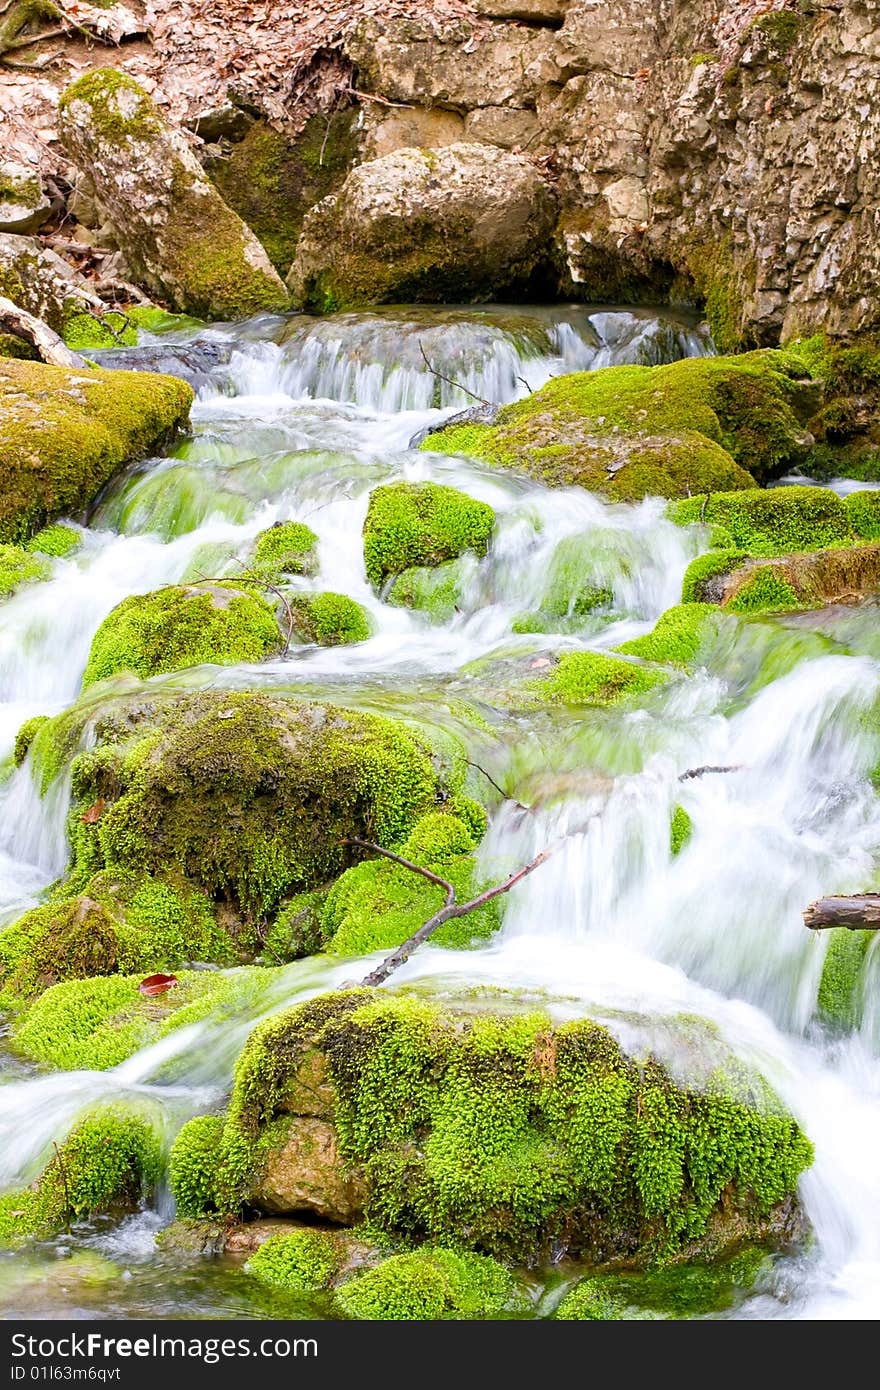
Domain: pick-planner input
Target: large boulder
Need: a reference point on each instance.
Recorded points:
(502, 1132)
(63, 434)
(23, 205)
(464, 222)
(181, 239)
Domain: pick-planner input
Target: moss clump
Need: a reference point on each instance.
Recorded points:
(94, 1024)
(678, 635)
(65, 433)
(331, 620)
(377, 905)
(593, 678)
(289, 547)
(120, 107)
(250, 797)
(681, 827)
(839, 1002)
(780, 30)
(700, 584)
(271, 181)
(437, 591)
(774, 522)
(410, 524)
(25, 737)
(17, 567)
(510, 1134)
(171, 629)
(192, 1165)
(768, 591)
(110, 1161)
(433, 1284)
(11, 346)
(57, 541)
(298, 930)
(305, 1261)
(863, 510)
(676, 1291)
(675, 430)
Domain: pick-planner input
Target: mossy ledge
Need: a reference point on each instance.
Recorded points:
(63, 435)
(503, 1133)
(701, 424)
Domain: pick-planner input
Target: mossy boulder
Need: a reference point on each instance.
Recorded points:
(458, 224)
(272, 179)
(19, 567)
(593, 678)
(434, 1284)
(288, 547)
(109, 1163)
(682, 1290)
(772, 522)
(416, 524)
(435, 590)
(183, 242)
(180, 626)
(64, 434)
(378, 904)
(115, 328)
(678, 636)
(250, 797)
(698, 425)
(57, 541)
(305, 1261)
(840, 1000)
(812, 579)
(331, 620)
(511, 1135)
(863, 510)
(24, 207)
(36, 279)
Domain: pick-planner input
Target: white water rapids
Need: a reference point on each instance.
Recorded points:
(300, 419)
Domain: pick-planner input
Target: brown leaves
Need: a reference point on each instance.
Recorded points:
(94, 812)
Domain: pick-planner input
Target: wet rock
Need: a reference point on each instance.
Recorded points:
(195, 362)
(463, 222)
(532, 11)
(182, 240)
(306, 1172)
(38, 280)
(23, 205)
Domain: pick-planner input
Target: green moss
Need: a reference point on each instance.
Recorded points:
(572, 591)
(289, 547)
(839, 1002)
(110, 1161)
(17, 567)
(119, 327)
(863, 510)
(305, 1261)
(25, 737)
(768, 592)
(192, 1165)
(65, 433)
(678, 636)
(697, 586)
(11, 346)
(436, 590)
(509, 1135)
(681, 827)
(331, 620)
(781, 29)
(57, 541)
(298, 929)
(433, 1284)
(587, 678)
(377, 905)
(773, 522)
(410, 524)
(251, 798)
(676, 1291)
(120, 108)
(171, 629)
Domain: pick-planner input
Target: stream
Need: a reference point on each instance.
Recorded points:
(300, 418)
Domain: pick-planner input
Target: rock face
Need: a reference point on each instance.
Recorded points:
(182, 239)
(38, 280)
(23, 205)
(462, 222)
(306, 1173)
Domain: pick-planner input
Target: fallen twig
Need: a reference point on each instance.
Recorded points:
(448, 379)
(857, 912)
(248, 577)
(702, 771)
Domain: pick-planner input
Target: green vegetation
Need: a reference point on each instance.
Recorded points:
(25, 737)
(18, 567)
(676, 1291)
(774, 522)
(110, 1161)
(433, 1284)
(303, 1260)
(594, 678)
(410, 524)
(328, 619)
(171, 629)
(697, 586)
(863, 510)
(768, 591)
(66, 433)
(192, 1165)
(678, 636)
(119, 328)
(57, 541)
(288, 547)
(437, 590)
(839, 1002)
(681, 827)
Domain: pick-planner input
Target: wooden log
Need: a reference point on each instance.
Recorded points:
(859, 912)
(50, 347)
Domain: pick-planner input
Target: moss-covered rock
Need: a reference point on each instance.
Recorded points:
(305, 1261)
(378, 904)
(250, 797)
(183, 241)
(594, 678)
(118, 328)
(110, 1161)
(840, 999)
(271, 180)
(809, 580)
(415, 524)
(508, 1134)
(434, 1284)
(25, 737)
(18, 567)
(863, 510)
(704, 577)
(193, 1163)
(678, 636)
(180, 626)
(681, 827)
(434, 590)
(288, 547)
(681, 1290)
(58, 541)
(328, 619)
(63, 434)
(688, 427)
(773, 522)
(461, 223)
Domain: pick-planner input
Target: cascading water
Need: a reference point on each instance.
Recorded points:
(301, 418)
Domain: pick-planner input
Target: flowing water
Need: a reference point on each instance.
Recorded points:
(300, 419)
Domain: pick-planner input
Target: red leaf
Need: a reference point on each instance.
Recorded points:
(157, 984)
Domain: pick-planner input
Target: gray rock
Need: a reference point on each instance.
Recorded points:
(24, 207)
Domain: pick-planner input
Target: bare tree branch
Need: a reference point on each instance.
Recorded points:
(701, 771)
(449, 381)
(858, 912)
